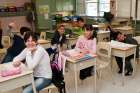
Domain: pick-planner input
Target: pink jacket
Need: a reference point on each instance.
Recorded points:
(84, 43)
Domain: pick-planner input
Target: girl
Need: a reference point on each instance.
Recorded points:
(37, 59)
(58, 39)
(87, 42)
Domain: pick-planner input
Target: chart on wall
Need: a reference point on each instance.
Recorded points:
(80, 7)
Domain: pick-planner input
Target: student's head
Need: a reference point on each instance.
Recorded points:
(80, 22)
(30, 39)
(88, 31)
(119, 36)
(23, 30)
(61, 29)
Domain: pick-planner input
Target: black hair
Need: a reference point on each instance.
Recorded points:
(24, 29)
(80, 19)
(89, 27)
(116, 35)
(30, 34)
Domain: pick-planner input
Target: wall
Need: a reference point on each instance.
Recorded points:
(126, 8)
(19, 20)
(13, 2)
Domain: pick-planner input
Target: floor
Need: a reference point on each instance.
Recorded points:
(105, 85)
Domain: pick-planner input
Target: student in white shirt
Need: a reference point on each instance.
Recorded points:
(37, 59)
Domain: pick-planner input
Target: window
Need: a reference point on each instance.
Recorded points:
(97, 7)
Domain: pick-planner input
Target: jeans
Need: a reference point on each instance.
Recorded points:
(40, 83)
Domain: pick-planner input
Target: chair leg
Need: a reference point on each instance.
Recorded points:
(49, 90)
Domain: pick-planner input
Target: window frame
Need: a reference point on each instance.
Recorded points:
(98, 7)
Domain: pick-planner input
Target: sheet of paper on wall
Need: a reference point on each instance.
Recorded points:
(46, 16)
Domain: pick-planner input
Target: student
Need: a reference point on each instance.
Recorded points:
(80, 23)
(17, 46)
(58, 39)
(1, 46)
(129, 40)
(86, 43)
(37, 59)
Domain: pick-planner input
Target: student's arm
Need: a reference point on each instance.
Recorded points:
(79, 43)
(21, 56)
(33, 61)
(17, 60)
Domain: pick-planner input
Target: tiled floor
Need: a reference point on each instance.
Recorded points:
(132, 84)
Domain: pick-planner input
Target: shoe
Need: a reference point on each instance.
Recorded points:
(120, 71)
(129, 73)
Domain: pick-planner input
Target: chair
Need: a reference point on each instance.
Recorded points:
(2, 54)
(43, 35)
(52, 86)
(103, 57)
(6, 41)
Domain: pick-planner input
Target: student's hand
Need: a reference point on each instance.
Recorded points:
(85, 51)
(16, 63)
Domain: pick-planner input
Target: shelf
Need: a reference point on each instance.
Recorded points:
(12, 14)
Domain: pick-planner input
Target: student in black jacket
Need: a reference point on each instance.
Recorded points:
(129, 40)
(58, 39)
(17, 46)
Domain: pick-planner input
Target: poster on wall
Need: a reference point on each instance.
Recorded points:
(44, 10)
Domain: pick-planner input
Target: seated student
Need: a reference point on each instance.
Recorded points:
(1, 46)
(37, 59)
(129, 40)
(17, 45)
(80, 23)
(86, 43)
(58, 39)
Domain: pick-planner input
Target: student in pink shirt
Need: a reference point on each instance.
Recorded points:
(86, 43)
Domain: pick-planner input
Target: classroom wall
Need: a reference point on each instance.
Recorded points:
(19, 20)
(126, 8)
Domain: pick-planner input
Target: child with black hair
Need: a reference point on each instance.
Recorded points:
(86, 43)
(37, 59)
(129, 40)
(17, 45)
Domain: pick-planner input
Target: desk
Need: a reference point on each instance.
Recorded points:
(77, 66)
(16, 81)
(44, 43)
(124, 51)
(125, 29)
(103, 36)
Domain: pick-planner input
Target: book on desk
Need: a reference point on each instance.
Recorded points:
(78, 56)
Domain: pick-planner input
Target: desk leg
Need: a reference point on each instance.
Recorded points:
(33, 84)
(123, 73)
(135, 64)
(75, 76)
(95, 78)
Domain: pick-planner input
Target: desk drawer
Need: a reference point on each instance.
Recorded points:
(85, 64)
(122, 53)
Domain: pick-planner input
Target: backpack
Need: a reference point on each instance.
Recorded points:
(57, 74)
